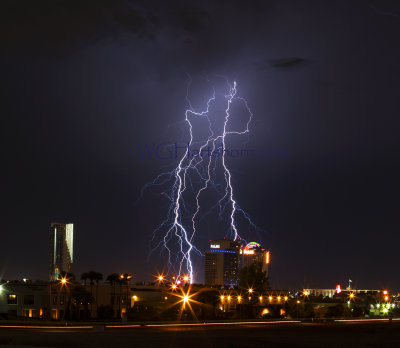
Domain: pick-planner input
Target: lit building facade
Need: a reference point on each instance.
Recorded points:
(254, 253)
(222, 263)
(61, 248)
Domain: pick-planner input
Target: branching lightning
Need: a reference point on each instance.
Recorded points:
(193, 176)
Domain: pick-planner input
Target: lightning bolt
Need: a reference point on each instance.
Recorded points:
(180, 225)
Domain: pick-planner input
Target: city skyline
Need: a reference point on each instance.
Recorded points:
(84, 88)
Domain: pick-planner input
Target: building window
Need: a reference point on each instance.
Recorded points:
(12, 299)
(29, 300)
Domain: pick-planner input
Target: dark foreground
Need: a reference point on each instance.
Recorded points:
(349, 334)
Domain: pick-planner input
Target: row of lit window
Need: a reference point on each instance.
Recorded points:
(13, 299)
(240, 298)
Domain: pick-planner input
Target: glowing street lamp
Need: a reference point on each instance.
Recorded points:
(239, 298)
(250, 291)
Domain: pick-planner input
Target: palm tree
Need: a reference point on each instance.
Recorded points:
(95, 277)
(81, 297)
(113, 279)
(66, 279)
(85, 276)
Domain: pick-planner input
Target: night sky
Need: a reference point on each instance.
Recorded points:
(82, 83)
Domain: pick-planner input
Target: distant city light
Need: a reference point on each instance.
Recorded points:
(338, 289)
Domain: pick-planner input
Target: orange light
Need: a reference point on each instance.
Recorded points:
(173, 286)
(351, 295)
(250, 290)
(297, 301)
(160, 278)
(229, 298)
(286, 298)
(386, 298)
(267, 257)
(385, 292)
(270, 298)
(279, 298)
(260, 298)
(239, 298)
(63, 280)
(185, 278)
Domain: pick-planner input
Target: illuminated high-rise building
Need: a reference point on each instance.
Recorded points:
(253, 253)
(222, 263)
(61, 248)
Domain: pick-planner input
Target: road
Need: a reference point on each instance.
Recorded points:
(333, 334)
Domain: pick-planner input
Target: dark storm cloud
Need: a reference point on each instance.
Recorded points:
(196, 36)
(293, 62)
(38, 25)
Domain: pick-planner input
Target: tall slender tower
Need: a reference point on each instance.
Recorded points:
(61, 248)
